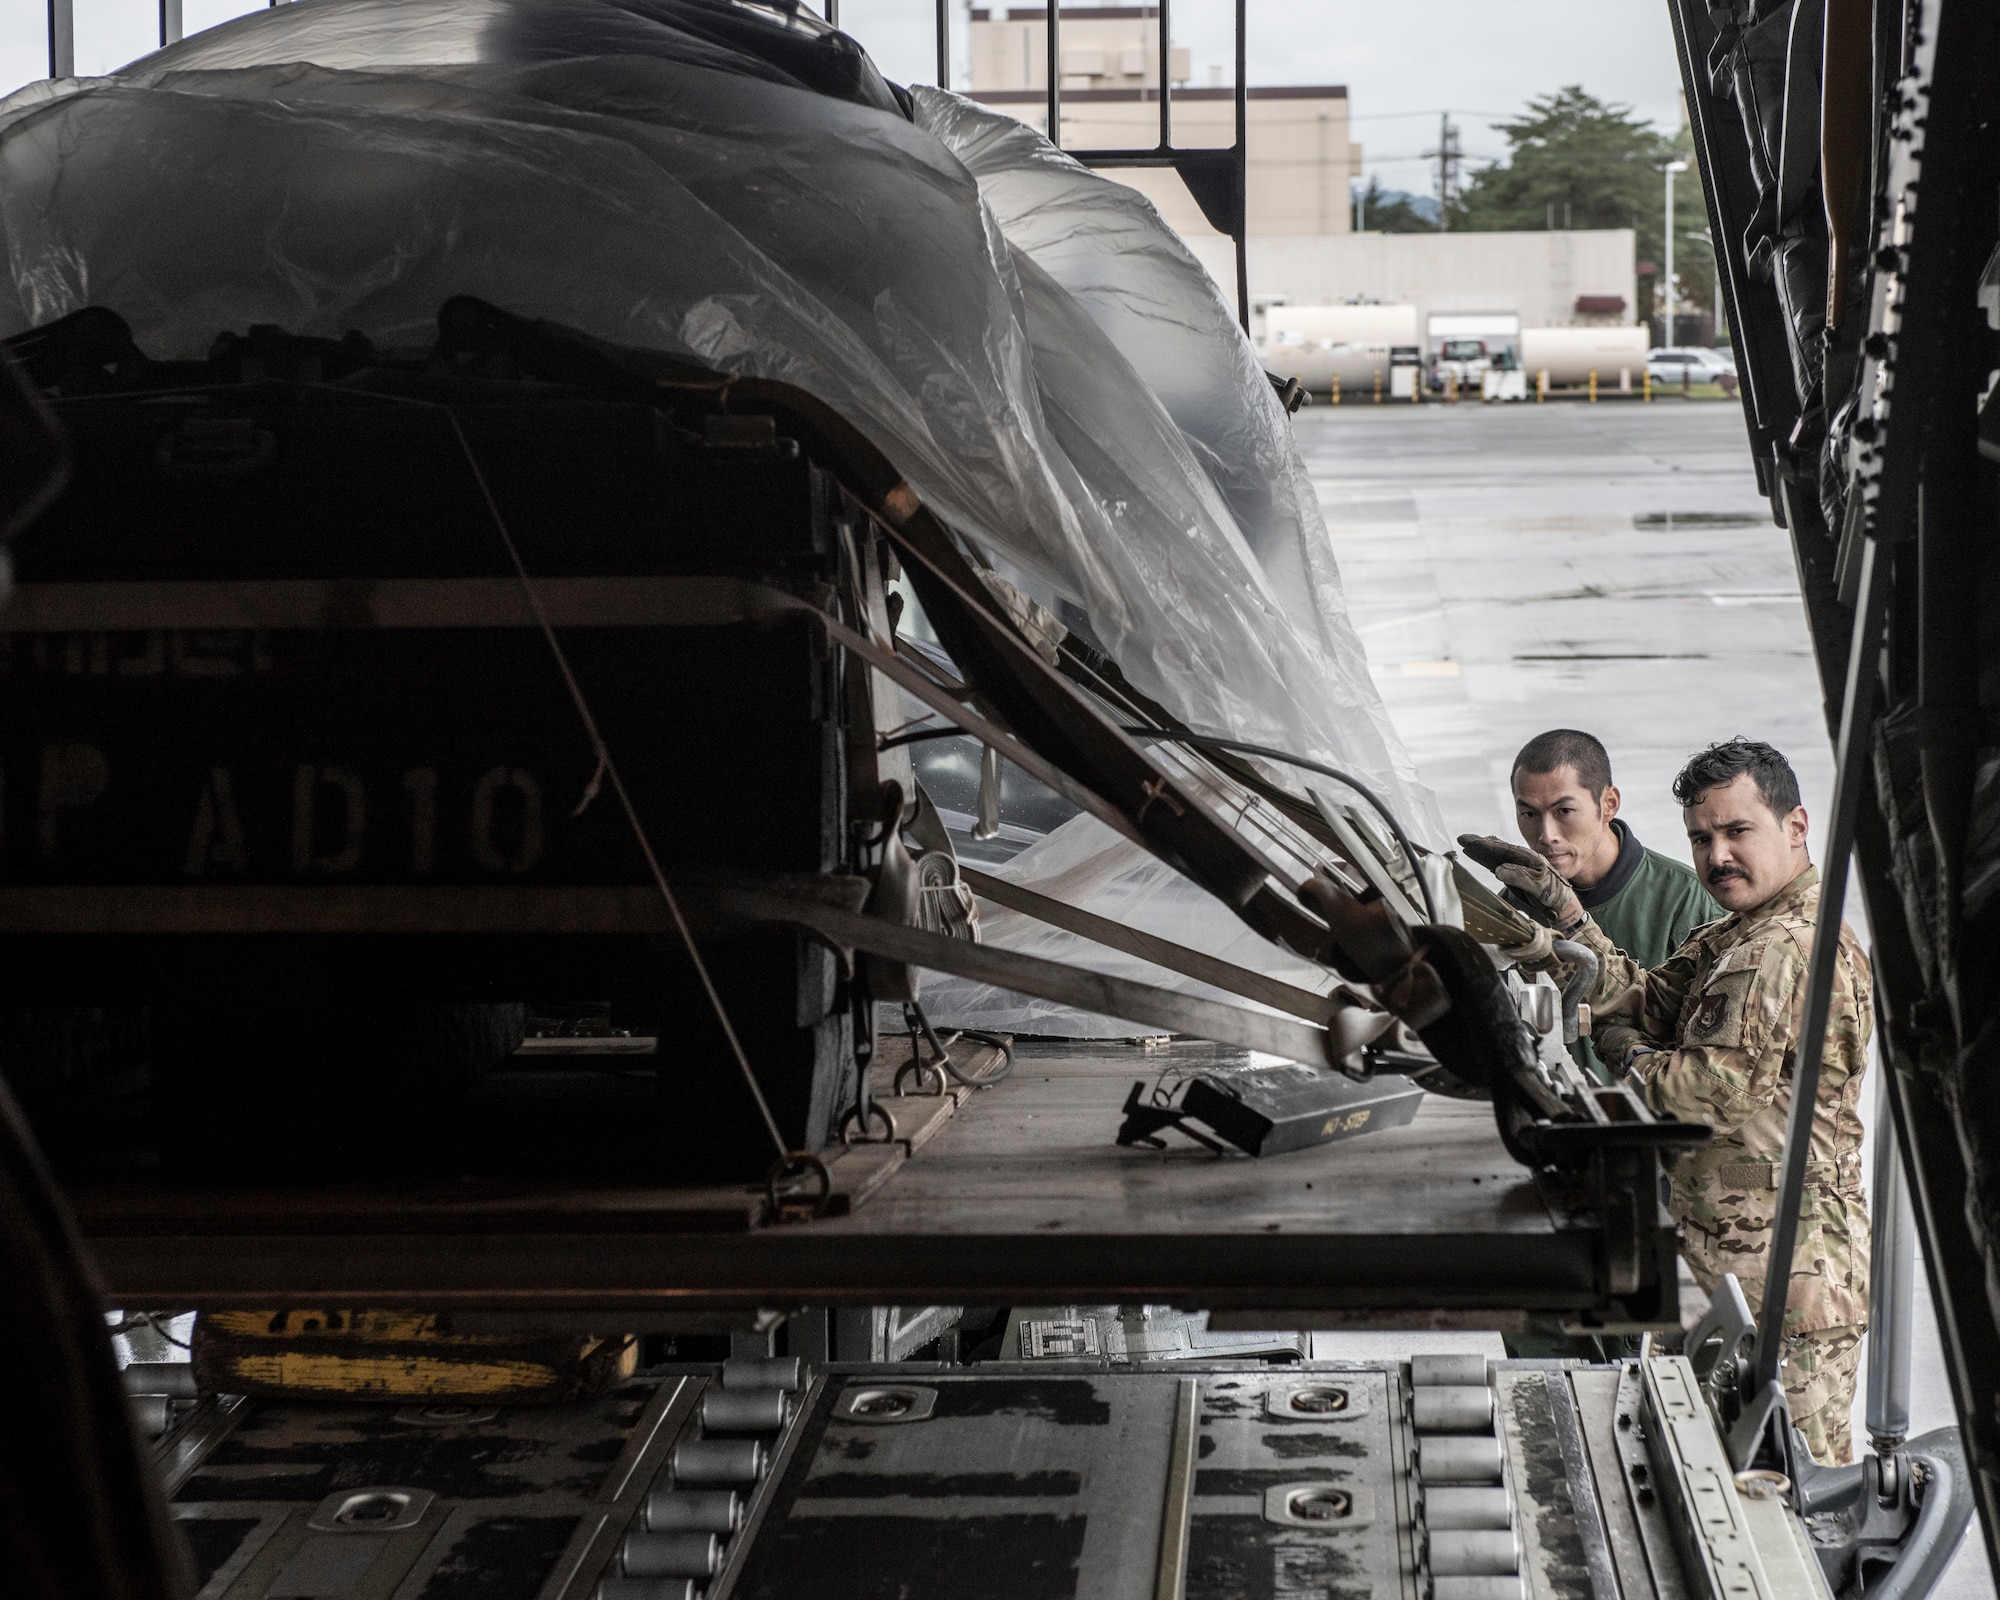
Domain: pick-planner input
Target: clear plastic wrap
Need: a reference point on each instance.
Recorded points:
(1030, 346)
(1084, 863)
(1104, 244)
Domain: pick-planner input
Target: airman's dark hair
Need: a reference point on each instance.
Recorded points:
(1777, 784)
(1566, 747)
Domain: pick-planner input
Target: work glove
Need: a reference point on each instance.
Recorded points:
(1614, 1043)
(1520, 868)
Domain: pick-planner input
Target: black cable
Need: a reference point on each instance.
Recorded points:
(999, 1041)
(1352, 782)
(917, 1021)
(146, 1319)
(952, 731)
(1172, 736)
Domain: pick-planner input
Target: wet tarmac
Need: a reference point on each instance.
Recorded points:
(1607, 567)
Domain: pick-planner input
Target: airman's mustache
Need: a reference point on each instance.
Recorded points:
(1719, 873)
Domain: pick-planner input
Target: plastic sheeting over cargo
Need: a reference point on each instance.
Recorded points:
(1104, 244)
(735, 185)
(1043, 360)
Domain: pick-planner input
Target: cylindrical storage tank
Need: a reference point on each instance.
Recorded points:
(675, 1555)
(1452, 1408)
(1473, 1552)
(743, 1410)
(1570, 355)
(1451, 1371)
(1458, 1458)
(763, 1372)
(1448, 1507)
(719, 1461)
(704, 1511)
(1314, 343)
(1492, 1588)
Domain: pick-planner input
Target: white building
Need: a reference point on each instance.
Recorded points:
(1586, 277)
(1302, 247)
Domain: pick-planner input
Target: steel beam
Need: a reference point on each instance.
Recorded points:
(62, 39)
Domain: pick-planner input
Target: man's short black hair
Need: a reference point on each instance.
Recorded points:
(1567, 747)
(1777, 784)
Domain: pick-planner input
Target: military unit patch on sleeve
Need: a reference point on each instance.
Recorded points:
(1709, 1011)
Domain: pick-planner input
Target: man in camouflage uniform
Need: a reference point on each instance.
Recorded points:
(1709, 1035)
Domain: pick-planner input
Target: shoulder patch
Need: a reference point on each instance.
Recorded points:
(1714, 1014)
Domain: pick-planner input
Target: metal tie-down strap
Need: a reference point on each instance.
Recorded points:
(1273, 992)
(1048, 980)
(1766, 1401)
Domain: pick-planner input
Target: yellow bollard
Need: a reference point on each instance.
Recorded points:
(1336, 389)
(1541, 386)
(1451, 387)
(1646, 385)
(1378, 386)
(1593, 386)
(1417, 388)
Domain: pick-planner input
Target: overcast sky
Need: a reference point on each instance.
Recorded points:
(1402, 61)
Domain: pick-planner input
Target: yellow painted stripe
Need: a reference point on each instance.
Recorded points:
(410, 1376)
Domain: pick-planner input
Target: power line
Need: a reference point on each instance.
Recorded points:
(1377, 116)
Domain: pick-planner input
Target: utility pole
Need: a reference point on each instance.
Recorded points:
(1449, 158)
(1667, 282)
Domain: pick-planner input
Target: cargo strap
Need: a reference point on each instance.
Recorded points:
(1047, 980)
(1273, 992)
(644, 602)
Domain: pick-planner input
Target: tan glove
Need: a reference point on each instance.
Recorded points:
(1520, 868)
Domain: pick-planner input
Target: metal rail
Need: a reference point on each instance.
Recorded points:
(1892, 1274)
(1218, 179)
(1857, 720)
(62, 39)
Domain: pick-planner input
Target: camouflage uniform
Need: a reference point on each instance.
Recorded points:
(1724, 1011)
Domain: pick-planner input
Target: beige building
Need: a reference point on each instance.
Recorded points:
(1301, 160)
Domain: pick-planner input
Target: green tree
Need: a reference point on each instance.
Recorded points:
(1380, 213)
(1575, 161)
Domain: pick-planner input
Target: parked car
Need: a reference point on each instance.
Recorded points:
(1693, 363)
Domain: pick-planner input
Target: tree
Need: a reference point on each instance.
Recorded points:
(1575, 161)
(1390, 211)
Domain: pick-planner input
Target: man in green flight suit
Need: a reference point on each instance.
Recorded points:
(1566, 807)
